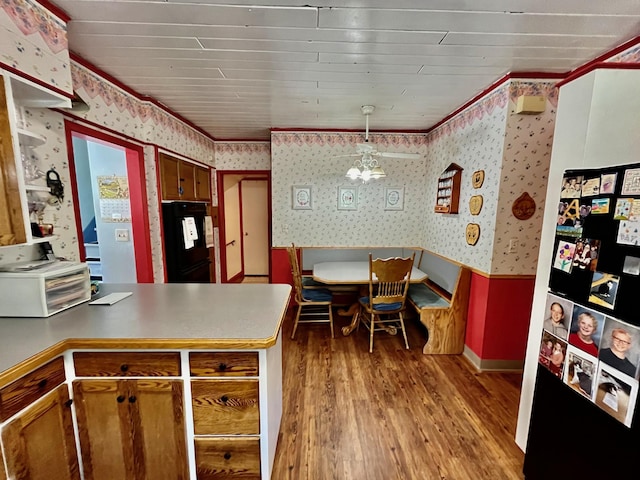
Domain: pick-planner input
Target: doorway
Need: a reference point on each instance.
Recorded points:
(110, 201)
(245, 225)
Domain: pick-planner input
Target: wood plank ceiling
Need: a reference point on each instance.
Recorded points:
(238, 68)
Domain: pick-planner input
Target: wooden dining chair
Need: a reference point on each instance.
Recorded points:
(314, 304)
(388, 285)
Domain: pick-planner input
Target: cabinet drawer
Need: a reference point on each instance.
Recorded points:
(225, 407)
(126, 364)
(27, 389)
(228, 457)
(223, 364)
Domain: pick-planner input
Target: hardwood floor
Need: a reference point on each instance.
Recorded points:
(394, 414)
(255, 279)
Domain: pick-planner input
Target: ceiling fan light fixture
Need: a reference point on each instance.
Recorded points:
(353, 173)
(365, 175)
(377, 172)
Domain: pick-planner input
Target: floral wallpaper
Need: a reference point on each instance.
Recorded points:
(474, 142)
(34, 41)
(243, 155)
(320, 161)
(153, 210)
(525, 166)
(514, 152)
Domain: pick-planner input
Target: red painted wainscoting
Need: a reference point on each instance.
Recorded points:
(280, 268)
(499, 315)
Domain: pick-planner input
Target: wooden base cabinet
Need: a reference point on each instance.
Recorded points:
(39, 442)
(131, 429)
(142, 415)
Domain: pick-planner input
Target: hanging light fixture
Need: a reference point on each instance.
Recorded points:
(366, 167)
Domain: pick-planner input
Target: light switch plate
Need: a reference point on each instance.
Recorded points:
(122, 235)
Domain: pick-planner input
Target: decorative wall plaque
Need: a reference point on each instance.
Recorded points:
(477, 179)
(524, 207)
(475, 204)
(473, 233)
(301, 195)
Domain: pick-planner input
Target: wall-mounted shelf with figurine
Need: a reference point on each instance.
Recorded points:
(448, 196)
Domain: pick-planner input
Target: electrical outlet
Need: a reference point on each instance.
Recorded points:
(122, 235)
(514, 244)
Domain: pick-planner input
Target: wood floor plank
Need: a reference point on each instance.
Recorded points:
(395, 414)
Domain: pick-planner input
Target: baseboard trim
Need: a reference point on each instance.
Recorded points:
(492, 365)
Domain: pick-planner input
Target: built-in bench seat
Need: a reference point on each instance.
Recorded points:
(442, 302)
(423, 296)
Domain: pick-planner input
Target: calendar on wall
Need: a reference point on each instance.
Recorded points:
(113, 194)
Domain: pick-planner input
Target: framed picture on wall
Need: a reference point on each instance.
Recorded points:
(394, 198)
(301, 195)
(347, 198)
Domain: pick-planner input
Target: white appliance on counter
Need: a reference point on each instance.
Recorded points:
(42, 288)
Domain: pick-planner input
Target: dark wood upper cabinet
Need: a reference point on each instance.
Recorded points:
(182, 180)
(203, 190)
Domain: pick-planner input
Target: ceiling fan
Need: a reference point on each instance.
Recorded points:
(367, 166)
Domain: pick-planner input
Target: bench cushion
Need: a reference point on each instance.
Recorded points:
(310, 282)
(316, 295)
(423, 297)
(382, 307)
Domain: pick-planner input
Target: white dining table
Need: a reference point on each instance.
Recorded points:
(352, 273)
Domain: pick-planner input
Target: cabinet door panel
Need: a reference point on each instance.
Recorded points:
(163, 440)
(170, 177)
(12, 228)
(103, 423)
(228, 458)
(131, 429)
(202, 184)
(3, 473)
(188, 180)
(39, 442)
(225, 407)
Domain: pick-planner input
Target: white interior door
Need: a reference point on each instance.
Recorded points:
(232, 230)
(255, 226)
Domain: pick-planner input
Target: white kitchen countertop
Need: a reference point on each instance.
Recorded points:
(202, 313)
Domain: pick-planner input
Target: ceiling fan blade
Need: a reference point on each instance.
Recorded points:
(348, 155)
(408, 156)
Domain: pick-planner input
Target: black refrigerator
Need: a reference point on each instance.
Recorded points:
(186, 254)
(584, 422)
